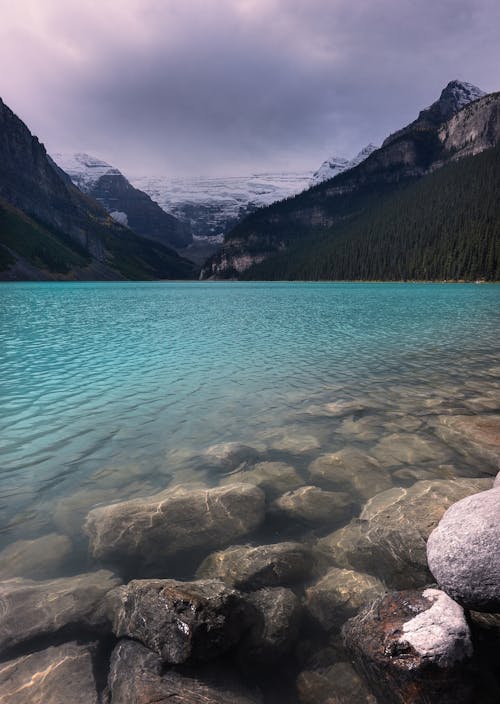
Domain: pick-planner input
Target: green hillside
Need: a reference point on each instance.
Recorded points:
(445, 225)
(59, 255)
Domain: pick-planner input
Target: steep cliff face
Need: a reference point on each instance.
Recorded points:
(416, 150)
(128, 205)
(52, 230)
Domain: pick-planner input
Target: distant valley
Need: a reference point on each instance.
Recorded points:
(424, 205)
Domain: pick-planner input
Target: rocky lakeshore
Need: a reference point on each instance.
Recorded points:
(344, 578)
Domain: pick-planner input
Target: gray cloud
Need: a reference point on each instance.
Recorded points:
(232, 86)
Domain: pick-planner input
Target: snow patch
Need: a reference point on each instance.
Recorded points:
(120, 217)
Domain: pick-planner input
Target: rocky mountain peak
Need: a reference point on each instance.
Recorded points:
(337, 165)
(455, 96)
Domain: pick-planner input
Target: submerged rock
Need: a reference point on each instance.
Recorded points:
(246, 567)
(336, 684)
(151, 530)
(350, 470)
(464, 551)
(274, 478)
(138, 676)
(411, 647)
(339, 594)
(70, 511)
(389, 539)
(399, 449)
(231, 456)
(275, 631)
(38, 559)
(310, 504)
(31, 609)
(478, 435)
(52, 676)
(181, 621)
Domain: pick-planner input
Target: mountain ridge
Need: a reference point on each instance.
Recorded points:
(412, 152)
(58, 231)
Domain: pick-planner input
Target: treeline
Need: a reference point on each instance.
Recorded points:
(445, 226)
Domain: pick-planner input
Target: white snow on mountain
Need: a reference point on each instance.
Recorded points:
(212, 205)
(83, 169)
(336, 165)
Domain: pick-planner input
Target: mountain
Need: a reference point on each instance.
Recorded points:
(49, 229)
(336, 165)
(127, 205)
(213, 205)
(325, 210)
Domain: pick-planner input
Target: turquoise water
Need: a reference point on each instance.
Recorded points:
(119, 388)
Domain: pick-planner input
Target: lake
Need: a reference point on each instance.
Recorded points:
(114, 391)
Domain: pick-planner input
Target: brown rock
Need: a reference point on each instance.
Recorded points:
(37, 559)
(411, 647)
(31, 609)
(53, 676)
(138, 676)
(181, 621)
(246, 567)
(310, 504)
(152, 530)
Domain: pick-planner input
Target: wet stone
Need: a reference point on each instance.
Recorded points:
(350, 470)
(38, 558)
(411, 647)
(389, 539)
(30, 609)
(275, 630)
(247, 568)
(464, 551)
(274, 478)
(180, 621)
(152, 530)
(339, 594)
(138, 676)
(312, 505)
(57, 675)
(336, 684)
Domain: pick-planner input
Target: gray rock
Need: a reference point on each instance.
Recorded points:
(313, 505)
(496, 483)
(52, 676)
(137, 676)
(464, 551)
(152, 530)
(181, 621)
(350, 470)
(246, 567)
(398, 449)
(274, 478)
(336, 684)
(31, 609)
(274, 633)
(38, 559)
(389, 539)
(411, 647)
(339, 594)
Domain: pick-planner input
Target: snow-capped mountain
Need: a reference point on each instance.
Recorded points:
(455, 96)
(127, 205)
(336, 165)
(213, 205)
(83, 169)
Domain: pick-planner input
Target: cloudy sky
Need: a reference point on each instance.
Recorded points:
(223, 87)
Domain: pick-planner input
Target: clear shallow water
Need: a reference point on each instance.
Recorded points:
(110, 390)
